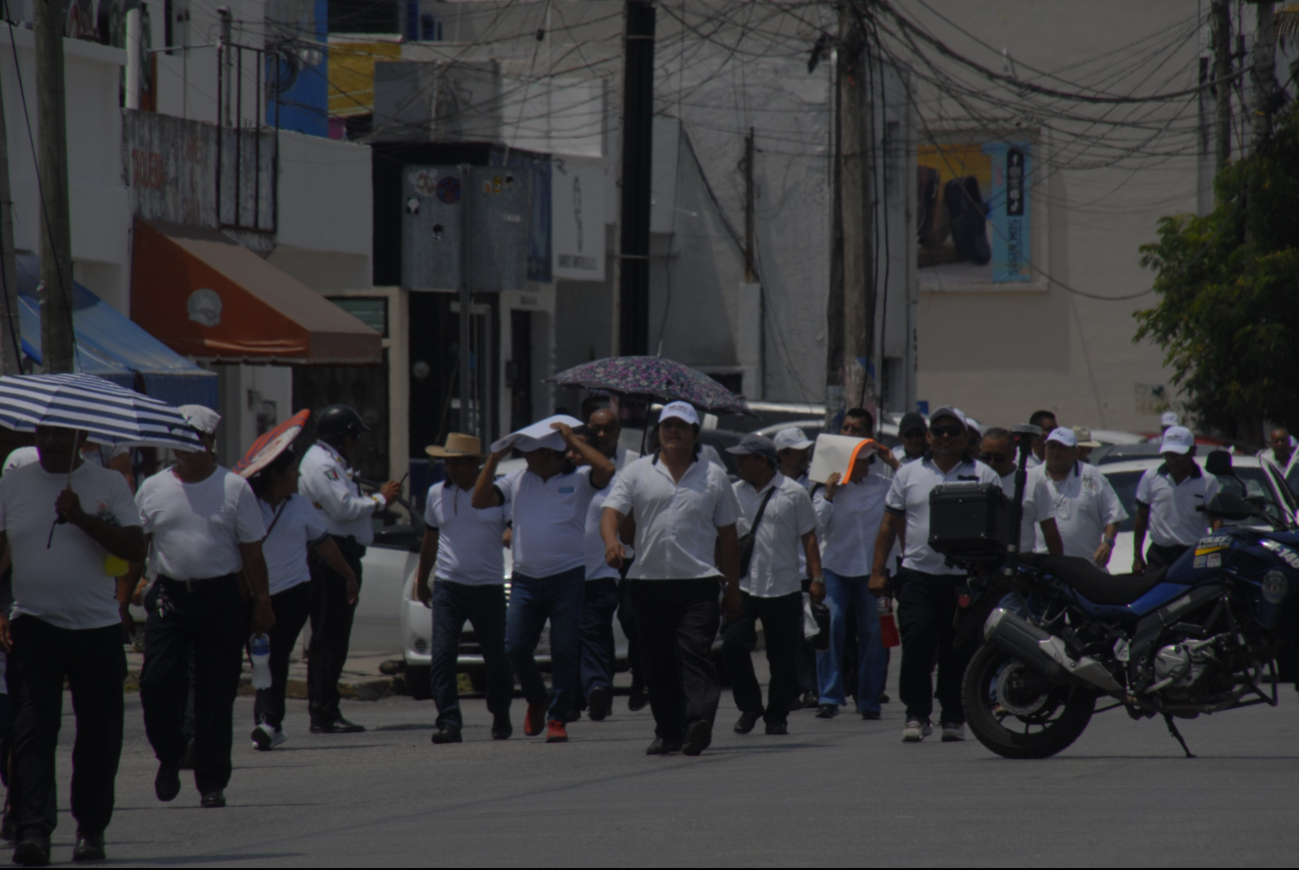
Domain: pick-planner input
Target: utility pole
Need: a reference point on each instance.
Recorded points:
(57, 342)
(466, 308)
(858, 314)
(748, 208)
(11, 350)
(1263, 74)
(1220, 43)
(637, 154)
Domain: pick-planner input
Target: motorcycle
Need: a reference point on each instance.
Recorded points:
(1061, 635)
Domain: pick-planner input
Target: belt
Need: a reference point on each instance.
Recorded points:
(200, 582)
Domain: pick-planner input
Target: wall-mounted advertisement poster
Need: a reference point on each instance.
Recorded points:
(973, 220)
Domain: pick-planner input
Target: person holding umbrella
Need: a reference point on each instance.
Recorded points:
(204, 530)
(67, 618)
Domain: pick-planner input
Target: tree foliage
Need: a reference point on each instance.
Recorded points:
(1228, 287)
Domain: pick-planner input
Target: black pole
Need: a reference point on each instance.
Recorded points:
(1023, 436)
(637, 152)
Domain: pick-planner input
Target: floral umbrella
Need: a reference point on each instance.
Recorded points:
(654, 376)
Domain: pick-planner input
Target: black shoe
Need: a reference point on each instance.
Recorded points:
(187, 760)
(599, 704)
(827, 711)
(574, 715)
(213, 799)
(663, 747)
(699, 736)
(884, 698)
(32, 850)
(778, 729)
(166, 785)
(871, 715)
(337, 726)
(90, 847)
(8, 832)
(745, 723)
(502, 729)
(638, 701)
(447, 734)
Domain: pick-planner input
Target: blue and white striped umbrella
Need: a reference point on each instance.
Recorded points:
(108, 413)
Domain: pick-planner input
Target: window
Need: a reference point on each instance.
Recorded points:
(370, 310)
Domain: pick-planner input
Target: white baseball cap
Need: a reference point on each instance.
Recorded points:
(681, 411)
(200, 418)
(947, 411)
(792, 438)
(971, 423)
(1062, 436)
(1170, 419)
(1178, 439)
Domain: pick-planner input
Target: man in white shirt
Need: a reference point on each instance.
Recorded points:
(1044, 420)
(795, 450)
(548, 501)
(998, 453)
(1088, 511)
(204, 529)
(776, 515)
(330, 484)
(684, 508)
(1279, 449)
(465, 546)
(912, 431)
(928, 598)
(1167, 498)
(66, 623)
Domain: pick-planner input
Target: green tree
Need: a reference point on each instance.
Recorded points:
(1228, 287)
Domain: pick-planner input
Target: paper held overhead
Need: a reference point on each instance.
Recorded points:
(836, 453)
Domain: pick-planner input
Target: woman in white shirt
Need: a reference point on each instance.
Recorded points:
(292, 526)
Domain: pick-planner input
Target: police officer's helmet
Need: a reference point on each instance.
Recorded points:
(337, 422)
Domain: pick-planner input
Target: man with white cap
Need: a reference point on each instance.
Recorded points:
(1167, 498)
(1087, 511)
(465, 547)
(998, 453)
(930, 590)
(795, 451)
(204, 529)
(777, 521)
(684, 509)
(548, 500)
(1167, 420)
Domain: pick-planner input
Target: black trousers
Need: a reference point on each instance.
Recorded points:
(331, 631)
(927, 605)
(782, 626)
(1158, 556)
(627, 619)
(208, 619)
(484, 608)
(677, 621)
(291, 608)
(94, 665)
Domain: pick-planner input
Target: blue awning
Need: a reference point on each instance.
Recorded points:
(112, 346)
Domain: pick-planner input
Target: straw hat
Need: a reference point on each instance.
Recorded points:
(1084, 436)
(457, 445)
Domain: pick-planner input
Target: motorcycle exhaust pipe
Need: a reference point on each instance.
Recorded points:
(1044, 653)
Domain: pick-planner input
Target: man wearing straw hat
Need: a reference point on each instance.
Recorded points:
(66, 624)
(465, 547)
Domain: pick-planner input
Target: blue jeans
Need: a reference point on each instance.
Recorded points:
(600, 600)
(840, 594)
(484, 608)
(533, 600)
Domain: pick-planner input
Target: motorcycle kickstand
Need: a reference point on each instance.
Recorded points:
(1172, 729)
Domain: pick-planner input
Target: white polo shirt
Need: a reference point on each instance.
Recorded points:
(1085, 503)
(549, 520)
(909, 497)
(773, 569)
(469, 541)
(851, 522)
(1038, 508)
(1174, 520)
(299, 526)
(676, 522)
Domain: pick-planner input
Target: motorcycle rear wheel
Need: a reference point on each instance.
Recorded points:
(1044, 724)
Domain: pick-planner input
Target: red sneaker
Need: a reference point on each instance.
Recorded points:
(555, 732)
(535, 722)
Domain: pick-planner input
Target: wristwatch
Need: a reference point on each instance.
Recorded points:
(1109, 542)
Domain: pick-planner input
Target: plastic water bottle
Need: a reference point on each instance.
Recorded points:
(260, 649)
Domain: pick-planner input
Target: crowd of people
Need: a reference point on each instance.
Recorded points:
(665, 543)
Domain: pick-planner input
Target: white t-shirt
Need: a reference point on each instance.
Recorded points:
(197, 527)
(21, 456)
(676, 522)
(469, 541)
(1038, 507)
(549, 520)
(773, 569)
(64, 584)
(909, 497)
(851, 523)
(1174, 520)
(299, 526)
(1085, 503)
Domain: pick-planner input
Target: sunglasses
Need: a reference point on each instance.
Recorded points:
(993, 457)
(947, 431)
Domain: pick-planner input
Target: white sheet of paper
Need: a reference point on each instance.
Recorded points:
(537, 435)
(832, 453)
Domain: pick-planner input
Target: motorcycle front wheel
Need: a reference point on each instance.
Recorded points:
(1017, 714)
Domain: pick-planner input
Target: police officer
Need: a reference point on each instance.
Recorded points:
(328, 481)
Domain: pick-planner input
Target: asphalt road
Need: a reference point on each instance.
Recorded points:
(842, 792)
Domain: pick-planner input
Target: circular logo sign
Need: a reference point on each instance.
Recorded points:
(1275, 586)
(204, 307)
(448, 189)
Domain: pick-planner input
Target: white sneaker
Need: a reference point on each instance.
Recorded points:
(953, 733)
(266, 738)
(916, 731)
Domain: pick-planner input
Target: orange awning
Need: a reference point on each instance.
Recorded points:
(205, 295)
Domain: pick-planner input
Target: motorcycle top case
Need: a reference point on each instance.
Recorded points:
(969, 520)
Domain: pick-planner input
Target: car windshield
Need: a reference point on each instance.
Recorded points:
(1247, 483)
